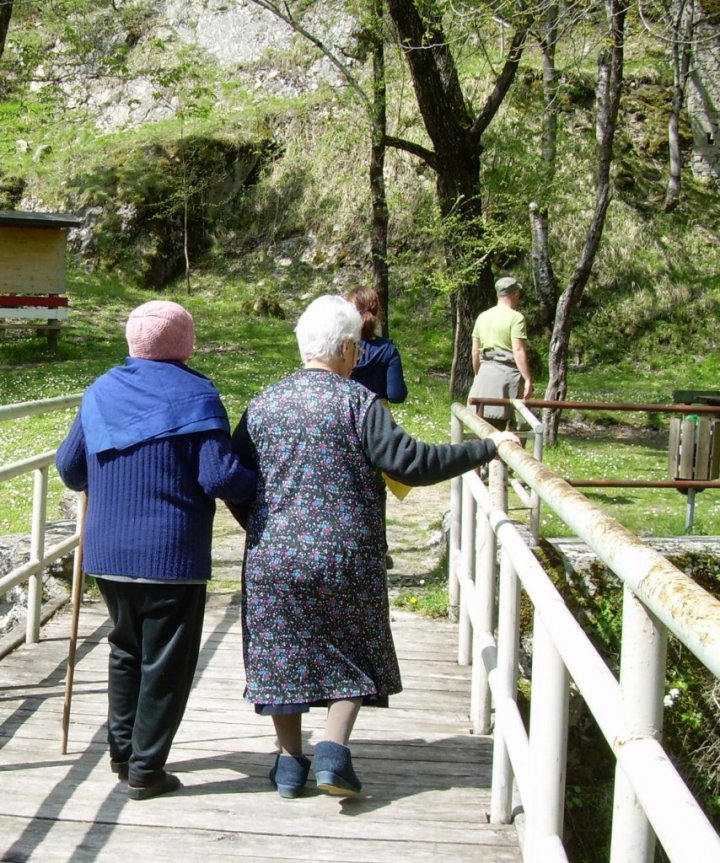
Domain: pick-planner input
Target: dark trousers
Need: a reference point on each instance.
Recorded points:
(154, 647)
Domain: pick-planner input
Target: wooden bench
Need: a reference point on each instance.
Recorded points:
(21, 307)
(32, 271)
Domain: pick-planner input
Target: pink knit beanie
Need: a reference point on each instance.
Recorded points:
(160, 330)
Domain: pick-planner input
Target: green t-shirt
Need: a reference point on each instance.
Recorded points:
(498, 326)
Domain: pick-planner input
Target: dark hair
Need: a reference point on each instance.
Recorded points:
(367, 303)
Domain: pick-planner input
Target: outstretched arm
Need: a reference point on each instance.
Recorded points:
(391, 450)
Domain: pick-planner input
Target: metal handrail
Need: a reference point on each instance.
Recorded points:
(658, 598)
(42, 406)
(40, 556)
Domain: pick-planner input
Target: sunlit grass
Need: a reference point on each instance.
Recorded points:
(240, 352)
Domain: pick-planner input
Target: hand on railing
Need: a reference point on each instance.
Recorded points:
(499, 437)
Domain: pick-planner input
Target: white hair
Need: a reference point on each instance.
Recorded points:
(325, 325)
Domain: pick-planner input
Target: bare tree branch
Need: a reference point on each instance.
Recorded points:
(502, 85)
(418, 150)
(286, 15)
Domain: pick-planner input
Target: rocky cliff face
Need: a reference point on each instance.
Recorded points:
(147, 207)
(241, 38)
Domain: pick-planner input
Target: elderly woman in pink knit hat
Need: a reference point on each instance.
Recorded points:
(151, 446)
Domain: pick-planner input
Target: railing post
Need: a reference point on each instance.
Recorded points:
(508, 649)
(37, 552)
(483, 635)
(548, 742)
(485, 590)
(538, 445)
(642, 679)
(467, 559)
(456, 434)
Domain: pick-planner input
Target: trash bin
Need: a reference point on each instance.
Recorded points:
(694, 449)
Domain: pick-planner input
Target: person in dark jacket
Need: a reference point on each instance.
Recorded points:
(379, 368)
(151, 447)
(315, 611)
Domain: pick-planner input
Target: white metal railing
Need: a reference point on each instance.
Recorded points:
(40, 556)
(651, 799)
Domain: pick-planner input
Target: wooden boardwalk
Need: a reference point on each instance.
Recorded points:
(426, 778)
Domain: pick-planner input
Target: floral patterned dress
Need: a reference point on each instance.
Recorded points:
(316, 622)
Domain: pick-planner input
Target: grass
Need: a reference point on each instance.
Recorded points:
(628, 454)
(243, 353)
(240, 352)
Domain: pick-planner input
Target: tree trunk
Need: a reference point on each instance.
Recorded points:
(681, 50)
(610, 74)
(459, 198)
(6, 10)
(542, 271)
(549, 44)
(380, 216)
(456, 140)
(557, 366)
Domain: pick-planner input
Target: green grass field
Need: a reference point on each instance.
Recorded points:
(244, 353)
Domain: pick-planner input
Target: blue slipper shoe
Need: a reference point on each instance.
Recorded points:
(289, 774)
(334, 770)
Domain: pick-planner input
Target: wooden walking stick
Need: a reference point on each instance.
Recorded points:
(77, 593)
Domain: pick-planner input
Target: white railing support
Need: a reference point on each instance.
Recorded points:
(40, 557)
(484, 624)
(508, 649)
(642, 681)
(548, 743)
(456, 435)
(37, 548)
(467, 555)
(652, 799)
(42, 406)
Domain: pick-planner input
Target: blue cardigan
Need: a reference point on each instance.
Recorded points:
(151, 504)
(380, 370)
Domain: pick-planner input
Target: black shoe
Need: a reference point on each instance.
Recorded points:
(146, 790)
(120, 768)
(389, 562)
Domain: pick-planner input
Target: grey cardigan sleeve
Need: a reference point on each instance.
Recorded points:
(391, 450)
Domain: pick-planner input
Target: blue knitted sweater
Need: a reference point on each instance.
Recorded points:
(151, 505)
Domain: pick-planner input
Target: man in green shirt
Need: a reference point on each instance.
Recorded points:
(499, 353)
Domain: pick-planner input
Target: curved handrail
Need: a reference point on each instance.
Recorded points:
(40, 556)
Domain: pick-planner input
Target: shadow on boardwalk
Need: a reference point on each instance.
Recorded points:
(425, 777)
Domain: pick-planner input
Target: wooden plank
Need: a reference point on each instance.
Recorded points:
(33, 260)
(715, 451)
(674, 448)
(59, 314)
(687, 450)
(426, 778)
(702, 454)
(17, 301)
(45, 841)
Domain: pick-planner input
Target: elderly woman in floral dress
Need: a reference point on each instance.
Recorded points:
(316, 622)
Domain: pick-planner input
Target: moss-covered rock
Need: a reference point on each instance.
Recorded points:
(149, 205)
(11, 191)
